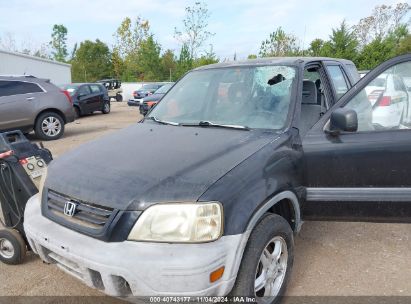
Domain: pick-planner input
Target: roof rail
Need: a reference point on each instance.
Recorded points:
(16, 75)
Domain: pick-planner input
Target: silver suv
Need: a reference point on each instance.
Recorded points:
(28, 103)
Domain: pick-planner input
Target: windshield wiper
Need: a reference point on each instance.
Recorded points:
(164, 122)
(216, 125)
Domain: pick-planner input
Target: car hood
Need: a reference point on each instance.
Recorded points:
(154, 97)
(150, 163)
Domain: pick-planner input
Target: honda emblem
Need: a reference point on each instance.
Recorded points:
(70, 208)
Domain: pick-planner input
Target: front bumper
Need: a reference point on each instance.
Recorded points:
(128, 269)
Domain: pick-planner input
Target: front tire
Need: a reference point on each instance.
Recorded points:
(49, 126)
(77, 112)
(106, 108)
(119, 97)
(267, 261)
(12, 247)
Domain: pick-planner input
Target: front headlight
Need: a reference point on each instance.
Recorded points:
(179, 223)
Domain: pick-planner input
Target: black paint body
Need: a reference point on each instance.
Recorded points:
(150, 163)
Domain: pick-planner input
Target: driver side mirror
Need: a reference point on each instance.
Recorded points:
(342, 119)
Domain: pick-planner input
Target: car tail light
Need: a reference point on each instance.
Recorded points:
(151, 103)
(67, 95)
(375, 95)
(385, 101)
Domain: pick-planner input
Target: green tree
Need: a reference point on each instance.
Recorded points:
(195, 24)
(279, 43)
(169, 65)
(129, 36)
(404, 46)
(316, 47)
(252, 56)
(149, 61)
(117, 62)
(91, 62)
(342, 44)
(375, 52)
(208, 58)
(58, 42)
(185, 62)
(382, 49)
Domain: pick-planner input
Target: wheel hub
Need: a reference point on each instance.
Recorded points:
(6, 248)
(271, 268)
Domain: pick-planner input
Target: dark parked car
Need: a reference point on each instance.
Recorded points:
(147, 89)
(240, 155)
(88, 98)
(28, 103)
(149, 101)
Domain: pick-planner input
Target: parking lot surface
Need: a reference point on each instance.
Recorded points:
(331, 259)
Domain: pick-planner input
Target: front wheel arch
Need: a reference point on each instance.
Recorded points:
(288, 198)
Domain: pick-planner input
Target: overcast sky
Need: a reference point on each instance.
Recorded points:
(239, 26)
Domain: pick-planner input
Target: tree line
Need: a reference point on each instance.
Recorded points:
(136, 55)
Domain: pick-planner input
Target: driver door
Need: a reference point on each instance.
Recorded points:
(363, 175)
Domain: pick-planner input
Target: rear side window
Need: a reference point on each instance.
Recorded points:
(353, 71)
(338, 80)
(84, 90)
(9, 88)
(95, 88)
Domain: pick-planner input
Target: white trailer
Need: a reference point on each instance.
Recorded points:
(12, 63)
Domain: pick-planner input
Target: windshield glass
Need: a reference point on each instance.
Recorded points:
(70, 88)
(255, 97)
(164, 89)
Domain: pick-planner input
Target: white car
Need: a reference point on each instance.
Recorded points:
(389, 98)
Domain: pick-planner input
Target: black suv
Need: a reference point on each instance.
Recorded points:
(240, 155)
(88, 98)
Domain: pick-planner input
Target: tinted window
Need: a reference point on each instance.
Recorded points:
(353, 71)
(338, 80)
(383, 103)
(95, 88)
(8, 88)
(84, 90)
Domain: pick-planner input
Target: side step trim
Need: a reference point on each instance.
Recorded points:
(359, 194)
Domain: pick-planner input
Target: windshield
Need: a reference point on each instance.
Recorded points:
(70, 88)
(164, 89)
(253, 97)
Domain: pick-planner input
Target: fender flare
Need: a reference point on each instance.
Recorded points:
(270, 203)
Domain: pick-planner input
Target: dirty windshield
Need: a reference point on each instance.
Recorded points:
(252, 97)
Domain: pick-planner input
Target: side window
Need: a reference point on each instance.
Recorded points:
(338, 80)
(84, 90)
(384, 103)
(9, 88)
(95, 88)
(353, 71)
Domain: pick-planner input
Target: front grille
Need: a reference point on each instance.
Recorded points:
(88, 217)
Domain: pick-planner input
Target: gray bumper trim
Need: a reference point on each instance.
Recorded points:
(135, 268)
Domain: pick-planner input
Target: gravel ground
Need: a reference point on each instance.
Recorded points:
(331, 259)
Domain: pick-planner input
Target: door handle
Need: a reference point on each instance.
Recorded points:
(30, 98)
